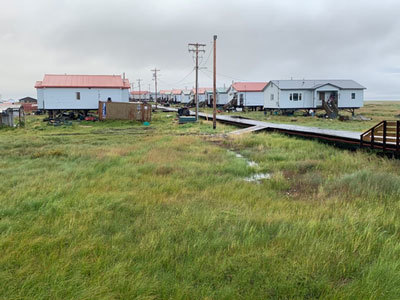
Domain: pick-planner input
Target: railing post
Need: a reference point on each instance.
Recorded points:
(384, 135)
(397, 136)
(372, 137)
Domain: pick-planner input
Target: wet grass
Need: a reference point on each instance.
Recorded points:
(118, 210)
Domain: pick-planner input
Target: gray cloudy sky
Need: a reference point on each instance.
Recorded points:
(258, 40)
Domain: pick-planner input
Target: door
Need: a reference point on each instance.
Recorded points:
(321, 98)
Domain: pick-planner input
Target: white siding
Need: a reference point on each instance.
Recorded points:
(345, 100)
(305, 102)
(65, 98)
(251, 98)
(222, 98)
(271, 89)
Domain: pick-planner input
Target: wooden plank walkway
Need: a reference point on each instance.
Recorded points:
(341, 136)
(248, 130)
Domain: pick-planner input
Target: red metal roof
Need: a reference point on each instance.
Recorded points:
(83, 81)
(165, 92)
(141, 92)
(201, 90)
(249, 86)
(176, 92)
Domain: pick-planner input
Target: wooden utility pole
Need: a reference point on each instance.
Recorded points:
(133, 89)
(155, 82)
(215, 85)
(140, 96)
(196, 48)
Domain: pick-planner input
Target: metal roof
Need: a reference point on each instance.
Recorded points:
(83, 81)
(6, 106)
(314, 84)
(249, 86)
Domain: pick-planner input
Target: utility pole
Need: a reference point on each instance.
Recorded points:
(133, 89)
(196, 48)
(155, 82)
(215, 85)
(139, 80)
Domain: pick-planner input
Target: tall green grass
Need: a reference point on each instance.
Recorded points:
(117, 210)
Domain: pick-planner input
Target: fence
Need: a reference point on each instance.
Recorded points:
(134, 111)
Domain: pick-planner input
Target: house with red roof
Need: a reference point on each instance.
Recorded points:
(201, 94)
(80, 92)
(247, 94)
(140, 96)
(165, 95)
(176, 95)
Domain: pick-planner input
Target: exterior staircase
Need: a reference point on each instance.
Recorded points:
(331, 109)
(230, 104)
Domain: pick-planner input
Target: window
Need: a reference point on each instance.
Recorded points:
(353, 96)
(291, 97)
(295, 97)
(300, 96)
(272, 97)
(78, 96)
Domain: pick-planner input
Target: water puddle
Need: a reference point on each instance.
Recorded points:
(258, 177)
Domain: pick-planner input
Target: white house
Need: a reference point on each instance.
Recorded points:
(247, 94)
(186, 96)
(176, 95)
(140, 96)
(313, 94)
(165, 95)
(222, 96)
(201, 94)
(62, 92)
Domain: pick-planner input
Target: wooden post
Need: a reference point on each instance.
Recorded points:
(372, 137)
(215, 85)
(384, 135)
(397, 136)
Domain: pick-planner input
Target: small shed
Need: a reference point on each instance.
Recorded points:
(11, 114)
(134, 111)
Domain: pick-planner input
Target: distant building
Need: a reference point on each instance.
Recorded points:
(11, 114)
(313, 94)
(176, 96)
(28, 100)
(165, 95)
(247, 94)
(142, 96)
(80, 92)
(186, 96)
(201, 94)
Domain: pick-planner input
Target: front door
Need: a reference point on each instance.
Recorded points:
(321, 98)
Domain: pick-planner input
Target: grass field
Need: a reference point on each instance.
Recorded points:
(118, 210)
(375, 110)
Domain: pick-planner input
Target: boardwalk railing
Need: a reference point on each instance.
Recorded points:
(385, 135)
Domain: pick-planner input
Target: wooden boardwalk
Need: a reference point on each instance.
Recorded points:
(350, 138)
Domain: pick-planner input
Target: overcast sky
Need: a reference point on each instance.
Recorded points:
(258, 40)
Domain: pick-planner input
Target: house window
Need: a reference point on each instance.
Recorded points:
(291, 97)
(295, 97)
(78, 96)
(272, 97)
(353, 96)
(300, 96)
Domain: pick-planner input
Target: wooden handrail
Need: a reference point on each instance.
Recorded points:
(385, 135)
